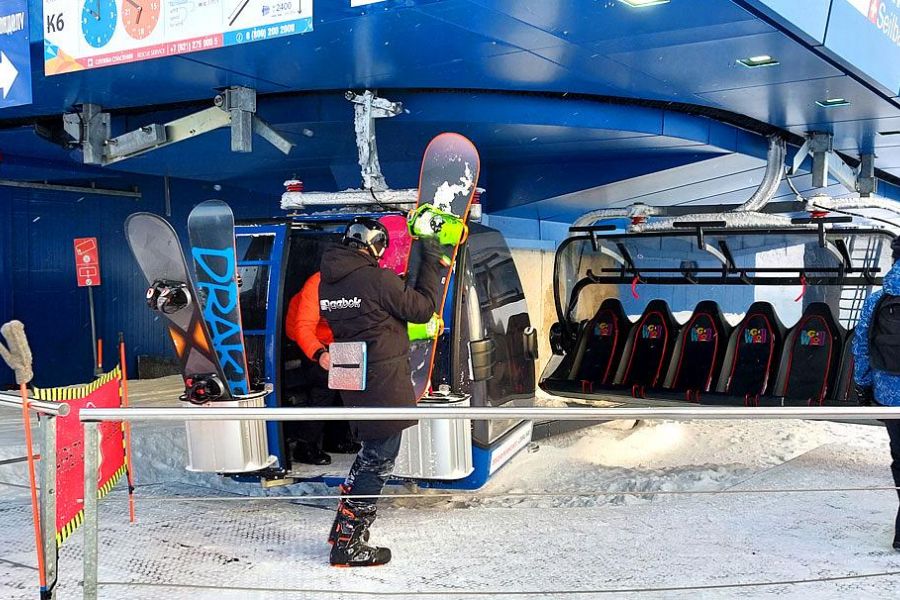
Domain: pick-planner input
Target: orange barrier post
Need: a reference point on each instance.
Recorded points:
(35, 507)
(126, 427)
(99, 365)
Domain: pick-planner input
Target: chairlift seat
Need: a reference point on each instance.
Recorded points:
(754, 350)
(699, 350)
(600, 345)
(812, 352)
(649, 347)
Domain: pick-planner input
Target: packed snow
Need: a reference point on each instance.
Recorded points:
(646, 510)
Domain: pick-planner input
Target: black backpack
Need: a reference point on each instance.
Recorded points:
(884, 335)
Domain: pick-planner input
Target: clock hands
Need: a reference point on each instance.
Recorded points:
(140, 10)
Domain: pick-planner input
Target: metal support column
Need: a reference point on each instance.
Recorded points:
(48, 503)
(366, 108)
(90, 290)
(91, 521)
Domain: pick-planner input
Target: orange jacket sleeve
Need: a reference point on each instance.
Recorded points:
(303, 324)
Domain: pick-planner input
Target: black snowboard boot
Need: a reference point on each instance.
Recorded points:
(350, 549)
(335, 526)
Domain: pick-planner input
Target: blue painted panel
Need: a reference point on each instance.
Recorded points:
(587, 21)
(519, 192)
(790, 104)
(854, 137)
(6, 295)
(705, 66)
(809, 17)
(870, 43)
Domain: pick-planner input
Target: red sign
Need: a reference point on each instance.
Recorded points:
(87, 262)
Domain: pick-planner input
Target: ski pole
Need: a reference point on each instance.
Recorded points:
(18, 357)
(126, 429)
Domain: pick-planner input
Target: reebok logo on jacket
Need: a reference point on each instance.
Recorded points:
(329, 305)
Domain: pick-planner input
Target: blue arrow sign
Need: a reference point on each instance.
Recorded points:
(15, 56)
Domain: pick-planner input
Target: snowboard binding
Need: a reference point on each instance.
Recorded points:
(168, 297)
(201, 389)
(429, 222)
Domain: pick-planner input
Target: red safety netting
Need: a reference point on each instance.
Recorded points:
(102, 393)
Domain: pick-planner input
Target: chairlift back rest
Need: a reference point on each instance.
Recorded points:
(812, 353)
(699, 350)
(754, 350)
(648, 351)
(600, 344)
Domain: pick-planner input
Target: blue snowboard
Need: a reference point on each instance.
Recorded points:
(211, 231)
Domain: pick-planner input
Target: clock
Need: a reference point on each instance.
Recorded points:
(140, 17)
(98, 21)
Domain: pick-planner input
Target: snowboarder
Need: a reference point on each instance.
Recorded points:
(877, 356)
(373, 305)
(305, 326)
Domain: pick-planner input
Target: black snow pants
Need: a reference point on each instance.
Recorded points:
(893, 429)
(372, 468)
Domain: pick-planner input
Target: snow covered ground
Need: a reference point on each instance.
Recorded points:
(581, 535)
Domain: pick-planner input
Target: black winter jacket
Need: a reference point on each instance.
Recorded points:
(363, 302)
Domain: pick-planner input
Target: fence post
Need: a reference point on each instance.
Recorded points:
(91, 464)
(48, 503)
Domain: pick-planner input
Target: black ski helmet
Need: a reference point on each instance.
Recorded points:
(367, 233)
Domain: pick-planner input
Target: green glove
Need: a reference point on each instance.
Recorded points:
(425, 331)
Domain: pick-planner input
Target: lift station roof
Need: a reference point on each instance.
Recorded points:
(557, 95)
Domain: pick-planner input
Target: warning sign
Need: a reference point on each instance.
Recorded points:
(87, 262)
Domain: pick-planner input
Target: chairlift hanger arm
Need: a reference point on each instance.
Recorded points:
(235, 107)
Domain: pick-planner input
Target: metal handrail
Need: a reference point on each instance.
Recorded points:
(92, 417)
(57, 409)
(212, 413)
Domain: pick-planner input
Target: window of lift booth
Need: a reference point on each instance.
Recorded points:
(749, 250)
(253, 293)
(254, 289)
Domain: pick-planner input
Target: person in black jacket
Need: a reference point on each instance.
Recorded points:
(364, 303)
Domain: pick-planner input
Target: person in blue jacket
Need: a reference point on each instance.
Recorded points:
(874, 385)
